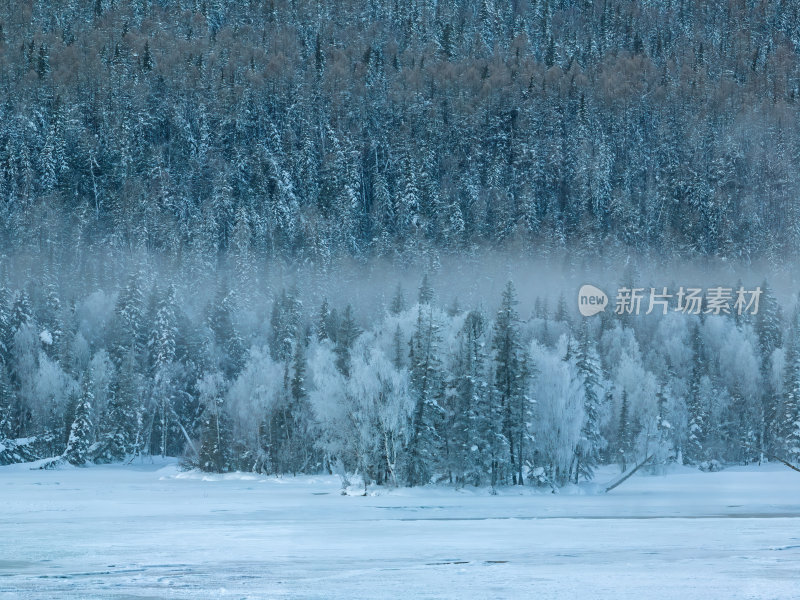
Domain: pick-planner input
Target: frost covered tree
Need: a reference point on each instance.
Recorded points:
(123, 435)
(398, 303)
(323, 325)
(284, 324)
(346, 334)
(228, 343)
(161, 350)
(510, 378)
(592, 443)
(476, 434)
(216, 439)
(769, 328)
(625, 433)
(694, 450)
(423, 454)
(130, 328)
(559, 414)
(790, 422)
(425, 292)
(80, 440)
(301, 452)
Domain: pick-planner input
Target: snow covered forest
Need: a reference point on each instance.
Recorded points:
(424, 391)
(187, 189)
(310, 129)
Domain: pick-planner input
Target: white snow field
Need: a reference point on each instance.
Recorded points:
(152, 531)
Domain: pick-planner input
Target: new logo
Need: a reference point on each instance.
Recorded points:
(591, 300)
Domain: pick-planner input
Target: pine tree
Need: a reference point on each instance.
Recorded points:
(769, 328)
(6, 404)
(163, 334)
(324, 321)
(229, 344)
(301, 455)
(398, 304)
(510, 382)
(345, 337)
(423, 451)
(216, 436)
(161, 346)
(147, 58)
(397, 349)
(284, 324)
(741, 428)
(790, 422)
(562, 313)
(21, 314)
(425, 295)
(695, 403)
(129, 313)
(663, 426)
(624, 433)
(5, 324)
(592, 442)
(476, 429)
(80, 433)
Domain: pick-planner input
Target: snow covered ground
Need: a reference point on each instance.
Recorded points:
(152, 531)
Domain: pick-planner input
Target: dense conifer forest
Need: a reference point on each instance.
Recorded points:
(195, 197)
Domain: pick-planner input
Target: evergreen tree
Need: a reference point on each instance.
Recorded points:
(229, 344)
(625, 434)
(284, 324)
(324, 321)
(510, 381)
(592, 442)
(6, 404)
(663, 428)
(790, 423)
(301, 454)
(346, 335)
(129, 313)
(425, 295)
(424, 447)
(80, 433)
(161, 347)
(562, 313)
(398, 304)
(476, 430)
(216, 437)
(695, 403)
(769, 328)
(5, 324)
(398, 349)
(123, 430)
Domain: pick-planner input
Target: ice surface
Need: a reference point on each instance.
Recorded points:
(152, 531)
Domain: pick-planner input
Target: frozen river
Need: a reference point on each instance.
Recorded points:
(152, 531)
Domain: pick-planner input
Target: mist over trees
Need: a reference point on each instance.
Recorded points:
(168, 168)
(496, 394)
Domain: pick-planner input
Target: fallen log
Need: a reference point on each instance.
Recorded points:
(628, 474)
(772, 456)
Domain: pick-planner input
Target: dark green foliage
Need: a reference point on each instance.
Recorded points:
(216, 441)
(398, 304)
(592, 442)
(556, 154)
(511, 373)
(80, 433)
(475, 430)
(424, 451)
(346, 334)
(625, 433)
(696, 403)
